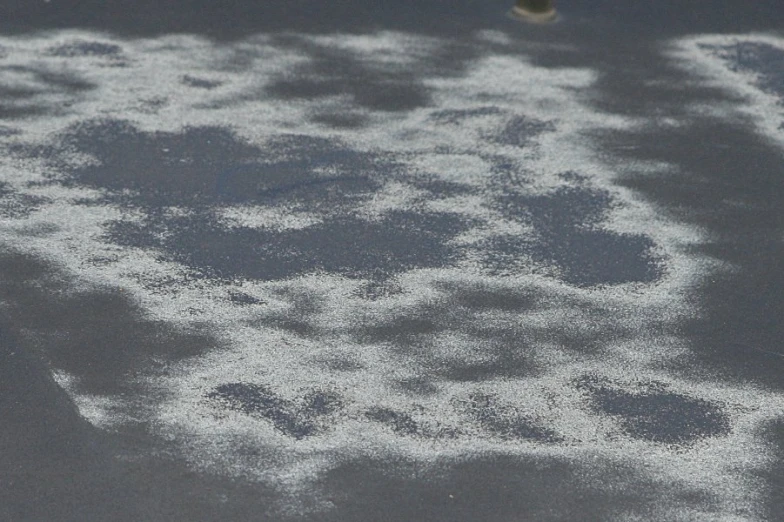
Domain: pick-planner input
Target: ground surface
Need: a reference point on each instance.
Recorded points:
(278, 261)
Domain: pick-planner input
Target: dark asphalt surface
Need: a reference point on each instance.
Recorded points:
(568, 307)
